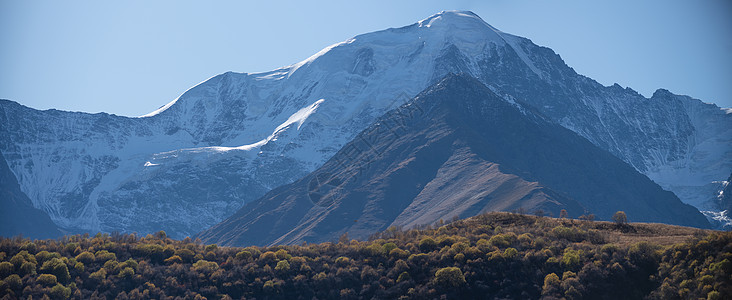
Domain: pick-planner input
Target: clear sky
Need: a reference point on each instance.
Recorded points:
(131, 57)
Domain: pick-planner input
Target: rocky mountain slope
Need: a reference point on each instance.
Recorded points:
(18, 216)
(235, 136)
(457, 150)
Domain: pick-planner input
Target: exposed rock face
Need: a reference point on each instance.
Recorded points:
(457, 150)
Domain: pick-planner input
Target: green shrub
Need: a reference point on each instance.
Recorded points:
(27, 268)
(374, 250)
(282, 266)
(127, 272)
(110, 265)
(443, 241)
(502, 240)
(185, 254)
(211, 247)
(570, 234)
(483, 245)
(510, 253)
(714, 295)
(173, 259)
(254, 251)
(47, 279)
(450, 276)
(29, 247)
(22, 257)
(427, 244)
(243, 255)
(620, 218)
(99, 275)
(43, 256)
(389, 246)
(643, 254)
(551, 284)
(79, 266)
(154, 252)
(60, 292)
(14, 282)
(104, 255)
(342, 261)
(398, 253)
(6, 269)
(571, 258)
(56, 267)
(418, 258)
(282, 254)
(71, 247)
(268, 256)
(404, 276)
(609, 249)
(86, 257)
(161, 235)
(205, 266)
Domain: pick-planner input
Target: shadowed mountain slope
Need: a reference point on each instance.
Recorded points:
(18, 216)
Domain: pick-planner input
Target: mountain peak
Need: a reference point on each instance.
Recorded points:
(456, 18)
(451, 16)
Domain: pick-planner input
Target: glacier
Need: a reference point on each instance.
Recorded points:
(235, 136)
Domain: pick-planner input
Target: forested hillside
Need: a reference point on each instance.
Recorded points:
(495, 255)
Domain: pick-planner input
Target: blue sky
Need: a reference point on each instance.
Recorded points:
(131, 57)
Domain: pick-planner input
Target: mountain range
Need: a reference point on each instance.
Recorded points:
(457, 150)
(234, 137)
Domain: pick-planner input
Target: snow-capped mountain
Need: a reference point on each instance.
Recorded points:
(235, 136)
(455, 150)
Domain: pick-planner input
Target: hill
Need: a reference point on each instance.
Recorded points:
(495, 255)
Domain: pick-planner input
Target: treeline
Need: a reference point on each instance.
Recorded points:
(496, 255)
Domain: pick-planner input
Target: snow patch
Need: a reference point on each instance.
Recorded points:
(721, 219)
(721, 191)
(298, 118)
(166, 106)
(315, 56)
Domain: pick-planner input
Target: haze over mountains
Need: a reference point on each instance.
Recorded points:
(236, 136)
